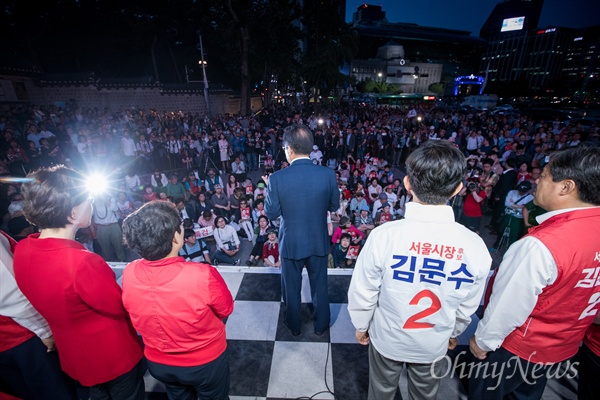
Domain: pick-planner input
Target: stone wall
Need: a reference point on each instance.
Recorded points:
(15, 89)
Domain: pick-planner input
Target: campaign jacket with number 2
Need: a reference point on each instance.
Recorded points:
(417, 282)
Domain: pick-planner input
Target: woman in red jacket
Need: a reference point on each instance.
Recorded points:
(176, 306)
(75, 290)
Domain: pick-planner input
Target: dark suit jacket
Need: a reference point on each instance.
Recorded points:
(191, 207)
(302, 194)
(350, 143)
(505, 184)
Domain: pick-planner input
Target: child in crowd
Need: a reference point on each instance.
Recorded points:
(270, 252)
(207, 219)
(246, 220)
(384, 215)
(339, 253)
(258, 210)
(260, 190)
(149, 194)
(346, 227)
(269, 164)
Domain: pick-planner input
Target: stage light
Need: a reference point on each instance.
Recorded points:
(96, 184)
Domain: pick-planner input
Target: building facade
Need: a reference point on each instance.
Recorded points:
(391, 66)
(391, 52)
(547, 59)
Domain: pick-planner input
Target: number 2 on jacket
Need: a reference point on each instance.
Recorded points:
(413, 322)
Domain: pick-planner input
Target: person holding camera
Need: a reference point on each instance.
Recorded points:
(474, 195)
(513, 213)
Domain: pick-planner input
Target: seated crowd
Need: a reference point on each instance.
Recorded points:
(203, 165)
(195, 171)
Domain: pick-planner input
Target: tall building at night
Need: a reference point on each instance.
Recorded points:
(390, 51)
(582, 62)
(519, 51)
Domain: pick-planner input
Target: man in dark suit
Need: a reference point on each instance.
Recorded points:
(350, 142)
(505, 184)
(302, 194)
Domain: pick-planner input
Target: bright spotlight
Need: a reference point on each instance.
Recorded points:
(96, 184)
(320, 121)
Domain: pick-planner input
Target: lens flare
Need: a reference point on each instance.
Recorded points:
(97, 184)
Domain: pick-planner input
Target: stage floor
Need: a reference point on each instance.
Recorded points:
(267, 362)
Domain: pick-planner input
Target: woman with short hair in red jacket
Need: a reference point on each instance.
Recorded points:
(75, 290)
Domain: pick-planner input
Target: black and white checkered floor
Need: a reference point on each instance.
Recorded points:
(267, 362)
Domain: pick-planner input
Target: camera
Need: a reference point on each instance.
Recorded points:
(472, 186)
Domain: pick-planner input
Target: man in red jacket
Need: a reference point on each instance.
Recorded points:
(176, 306)
(546, 293)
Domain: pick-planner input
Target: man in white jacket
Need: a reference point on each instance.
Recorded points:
(417, 281)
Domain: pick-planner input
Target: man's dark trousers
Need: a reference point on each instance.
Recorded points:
(291, 285)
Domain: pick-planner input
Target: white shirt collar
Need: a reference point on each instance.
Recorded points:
(300, 158)
(550, 214)
(429, 213)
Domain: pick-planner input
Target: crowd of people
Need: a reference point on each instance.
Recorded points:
(177, 156)
(198, 171)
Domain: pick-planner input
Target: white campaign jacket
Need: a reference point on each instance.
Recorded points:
(417, 282)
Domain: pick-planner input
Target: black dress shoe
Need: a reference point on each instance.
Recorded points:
(297, 333)
(320, 333)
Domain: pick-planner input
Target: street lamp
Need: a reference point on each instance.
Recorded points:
(379, 75)
(203, 63)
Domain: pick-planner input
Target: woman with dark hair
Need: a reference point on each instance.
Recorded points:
(181, 322)
(260, 233)
(231, 185)
(524, 172)
(75, 290)
(227, 241)
(224, 152)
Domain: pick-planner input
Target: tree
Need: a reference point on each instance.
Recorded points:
(437, 88)
(261, 41)
(371, 86)
(329, 44)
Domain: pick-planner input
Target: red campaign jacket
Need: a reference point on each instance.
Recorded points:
(565, 309)
(11, 333)
(77, 293)
(177, 307)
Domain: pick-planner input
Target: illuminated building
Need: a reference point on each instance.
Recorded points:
(395, 49)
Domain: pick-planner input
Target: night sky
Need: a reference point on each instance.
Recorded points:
(470, 15)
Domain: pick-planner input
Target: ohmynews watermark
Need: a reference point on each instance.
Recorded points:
(530, 372)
